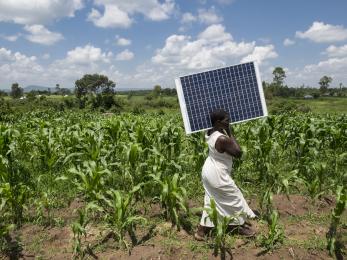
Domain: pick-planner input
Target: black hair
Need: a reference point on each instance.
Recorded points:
(218, 115)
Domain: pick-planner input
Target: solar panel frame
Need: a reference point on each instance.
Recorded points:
(213, 74)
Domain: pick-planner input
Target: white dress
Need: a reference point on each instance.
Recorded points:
(220, 186)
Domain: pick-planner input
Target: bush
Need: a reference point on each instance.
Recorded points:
(138, 110)
(284, 107)
(70, 102)
(315, 95)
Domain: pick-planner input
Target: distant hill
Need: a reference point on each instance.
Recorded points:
(35, 87)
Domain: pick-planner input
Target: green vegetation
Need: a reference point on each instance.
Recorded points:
(117, 164)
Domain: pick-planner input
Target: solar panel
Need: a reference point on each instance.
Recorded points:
(236, 89)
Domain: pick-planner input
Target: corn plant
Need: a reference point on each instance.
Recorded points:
(275, 235)
(120, 215)
(341, 201)
(266, 202)
(90, 179)
(79, 229)
(15, 179)
(5, 228)
(172, 197)
(79, 232)
(221, 224)
(44, 205)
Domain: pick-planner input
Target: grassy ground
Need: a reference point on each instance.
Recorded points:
(320, 105)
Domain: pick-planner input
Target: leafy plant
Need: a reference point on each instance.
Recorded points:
(221, 224)
(275, 235)
(172, 197)
(120, 214)
(79, 228)
(90, 179)
(341, 201)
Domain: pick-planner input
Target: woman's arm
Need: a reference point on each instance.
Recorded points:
(228, 145)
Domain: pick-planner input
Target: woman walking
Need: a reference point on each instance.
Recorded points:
(217, 181)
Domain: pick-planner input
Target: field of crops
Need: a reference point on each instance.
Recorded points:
(88, 185)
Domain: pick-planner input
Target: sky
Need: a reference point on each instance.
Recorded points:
(142, 43)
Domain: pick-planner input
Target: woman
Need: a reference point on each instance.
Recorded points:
(216, 179)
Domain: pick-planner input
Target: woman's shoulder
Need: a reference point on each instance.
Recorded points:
(213, 135)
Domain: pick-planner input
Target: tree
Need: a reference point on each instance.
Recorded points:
(57, 88)
(157, 90)
(278, 76)
(324, 83)
(3, 93)
(16, 91)
(93, 84)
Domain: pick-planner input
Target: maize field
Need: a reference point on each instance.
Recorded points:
(87, 185)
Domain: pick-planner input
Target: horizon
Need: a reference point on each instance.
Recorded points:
(139, 44)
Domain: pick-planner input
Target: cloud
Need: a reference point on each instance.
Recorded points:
(334, 51)
(261, 53)
(188, 18)
(209, 16)
(122, 41)
(46, 56)
(215, 33)
(204, 16)
(125, 55)
(213, 47)
(17, 67)
(119, 13)
(87, 55)
(40, 34)
(81, 60)
(11, 38)
(320, 33)
(333, 67)
(88, 59)
(37, 11)
(112, 17)
(288, 42)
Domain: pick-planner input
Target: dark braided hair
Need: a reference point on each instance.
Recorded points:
(218, 115)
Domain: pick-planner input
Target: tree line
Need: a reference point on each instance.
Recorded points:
(99, 90)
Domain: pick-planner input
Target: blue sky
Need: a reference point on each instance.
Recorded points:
(141, 43)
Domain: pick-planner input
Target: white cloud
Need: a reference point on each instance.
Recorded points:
(204, 16)
(40, 34)
(125, 55)
(122, 41)
(37, 11)
(215, 33)
(188, 18)
(333, 67)
(87, 54)
(334, 51)
(17, 67)
(261, 53)
(46, 56)
(11, 38)
(209, 16)
(320, 32)
(213, 47)
(112, 17)
(288, 42)
(119, 13)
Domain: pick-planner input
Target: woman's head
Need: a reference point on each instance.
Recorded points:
(219, 117)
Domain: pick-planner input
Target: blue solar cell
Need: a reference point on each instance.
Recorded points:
(234, 89)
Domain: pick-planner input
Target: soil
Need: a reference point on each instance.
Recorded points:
(305, 236)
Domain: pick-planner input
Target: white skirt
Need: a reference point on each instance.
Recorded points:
(229, 199)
